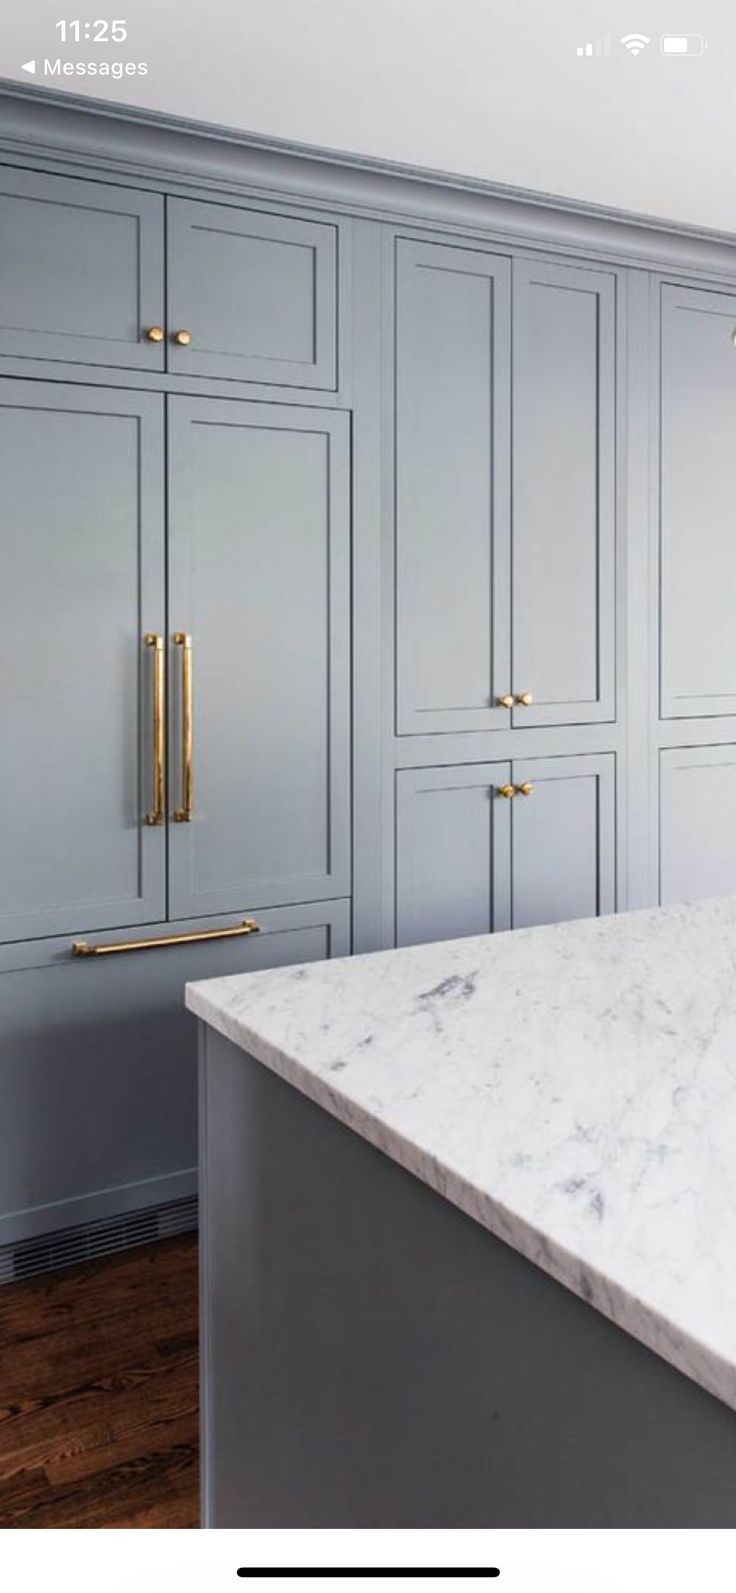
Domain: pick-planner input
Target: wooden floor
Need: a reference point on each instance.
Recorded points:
(99, 1392)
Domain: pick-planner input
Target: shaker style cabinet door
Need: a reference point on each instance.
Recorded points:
(697, 503)
(452, 385)
(252, 295)
(493, 846)
(81, 585)
(259, 562)
(697, 834)
(81, 271)
(563, 537)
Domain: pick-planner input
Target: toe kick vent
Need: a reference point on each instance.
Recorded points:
(67, 1247)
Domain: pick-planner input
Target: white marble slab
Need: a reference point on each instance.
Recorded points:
(572, 1088)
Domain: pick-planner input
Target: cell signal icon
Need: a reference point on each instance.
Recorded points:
(635, 42)
(595, 47)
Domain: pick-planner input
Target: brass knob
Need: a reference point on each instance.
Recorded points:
(505, 702)
(155, 334)
(526, 788)
(506, 791)
(524, 698)
(183, 338)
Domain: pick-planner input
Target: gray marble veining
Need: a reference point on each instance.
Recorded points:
(572, 1088)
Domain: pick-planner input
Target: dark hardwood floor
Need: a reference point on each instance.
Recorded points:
(99, 1393)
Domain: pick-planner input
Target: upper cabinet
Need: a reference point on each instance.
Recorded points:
(563, 560)
(81, 271)
(504, 491)
(252, 295)
(697, 496)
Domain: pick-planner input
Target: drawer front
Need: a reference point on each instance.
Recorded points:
(255, 291)
(98, 1062)
(81, 271)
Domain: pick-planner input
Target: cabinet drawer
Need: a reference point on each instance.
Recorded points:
(98, 1062)
(255, 291)
(81, 271)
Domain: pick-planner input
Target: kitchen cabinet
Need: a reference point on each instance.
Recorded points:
(503, 845)
(697, 835)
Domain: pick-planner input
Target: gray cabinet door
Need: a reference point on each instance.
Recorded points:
(81, 271)
(82, 582)
(563, 839)
(452, 488)
(563, 538)
(471, 859)
(698, 499)
(453, 855)
(257, 292)
(259, 562)
(98, 1066)
(697, 835)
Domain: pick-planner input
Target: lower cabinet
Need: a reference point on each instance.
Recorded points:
(98, 1063)
(503, 845)
(697, 832)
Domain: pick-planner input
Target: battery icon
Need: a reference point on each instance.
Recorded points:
(682, 44)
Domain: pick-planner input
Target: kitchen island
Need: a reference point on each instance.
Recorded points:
(469, 1231)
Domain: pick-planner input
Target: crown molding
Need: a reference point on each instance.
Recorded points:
(126, 143)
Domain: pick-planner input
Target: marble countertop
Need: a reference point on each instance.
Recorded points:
(572, 1088)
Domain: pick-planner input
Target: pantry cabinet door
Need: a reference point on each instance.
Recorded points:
(563, 536)
(451, 500)
(563, 847)
(82, 583)
(452, 852)
(259, 562)
(256, 291)
(81, 271)
(698, 495)
(697, 834)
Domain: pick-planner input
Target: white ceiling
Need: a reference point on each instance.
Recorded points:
(468, 86)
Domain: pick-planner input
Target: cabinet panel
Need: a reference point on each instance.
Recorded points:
(81, 271)
(698, 494)
(452, 852)
(98, 1062)
(257, 291)
(697, 841)
(452, 488)
(260, 577)
(564, 386)
(82, 581)
(563, 839)
(471, 860)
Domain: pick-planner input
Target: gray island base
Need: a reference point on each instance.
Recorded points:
(375, 1356)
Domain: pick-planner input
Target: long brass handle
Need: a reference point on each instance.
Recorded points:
(183, 814)
(156, 815)
(82, 948)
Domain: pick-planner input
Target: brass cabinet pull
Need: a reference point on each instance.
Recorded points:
(183, 814)
(505, 702)
(183, 338)
(156, 815)
(155, 334)
(507, 791)
(524, 699)
(82, 948)
(525, 789)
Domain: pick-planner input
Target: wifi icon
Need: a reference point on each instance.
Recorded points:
(635, 42)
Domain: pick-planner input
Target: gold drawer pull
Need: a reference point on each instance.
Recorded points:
(183, 338)
(507, 791)
(155, 334)
(525, 789)
(505, 702)
(183, 814)
(524, 699)
(82, 948)
(156, 815)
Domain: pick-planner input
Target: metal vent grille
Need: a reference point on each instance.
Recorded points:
(68, 1246)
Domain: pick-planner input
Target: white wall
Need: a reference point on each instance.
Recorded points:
(471, 86)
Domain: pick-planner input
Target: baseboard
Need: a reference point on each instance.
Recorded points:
(122, 1199)
(90, 1241)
